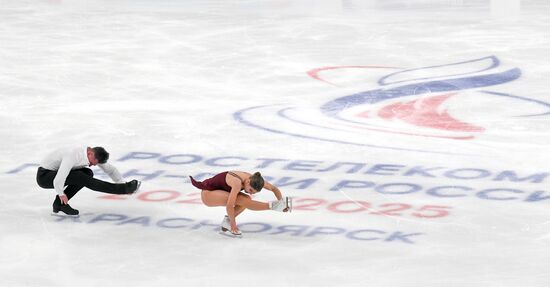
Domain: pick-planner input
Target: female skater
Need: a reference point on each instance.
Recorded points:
(224, 189)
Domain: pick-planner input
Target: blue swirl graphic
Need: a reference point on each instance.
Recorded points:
(333, 108)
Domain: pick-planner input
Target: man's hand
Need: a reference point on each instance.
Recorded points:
(64, 199)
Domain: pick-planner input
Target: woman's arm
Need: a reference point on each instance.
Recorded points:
(231, 201)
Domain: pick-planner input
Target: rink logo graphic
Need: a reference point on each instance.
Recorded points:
(426, 103)
(430, 89)
(190, 224)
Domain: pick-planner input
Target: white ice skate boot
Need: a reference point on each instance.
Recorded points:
(226, 225)
(285, 204)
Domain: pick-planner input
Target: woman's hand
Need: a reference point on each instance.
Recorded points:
(235, 230)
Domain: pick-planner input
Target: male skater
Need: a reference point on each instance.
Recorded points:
(66, 170)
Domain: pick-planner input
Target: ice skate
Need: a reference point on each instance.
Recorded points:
(65, 208)
(283, 205)
(132, 187)
(226, 225)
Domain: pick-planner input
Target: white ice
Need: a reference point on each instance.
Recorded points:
(175, 88)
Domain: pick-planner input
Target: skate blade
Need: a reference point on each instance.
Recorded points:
(289, 203)
(231, 235)
(61, 214)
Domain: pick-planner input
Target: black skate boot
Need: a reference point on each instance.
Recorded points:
(132, 186)
(65, 208)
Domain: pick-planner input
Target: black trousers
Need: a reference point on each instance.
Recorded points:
(76, 180)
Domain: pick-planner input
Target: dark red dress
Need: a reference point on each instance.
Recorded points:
(216, 182)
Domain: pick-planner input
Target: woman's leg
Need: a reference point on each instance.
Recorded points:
(214, 197)
(239, 209)
(219, 198)
(247, 202)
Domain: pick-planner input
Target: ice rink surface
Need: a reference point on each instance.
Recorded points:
(413, 135)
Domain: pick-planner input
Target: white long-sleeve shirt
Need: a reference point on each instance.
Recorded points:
(66, 159)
